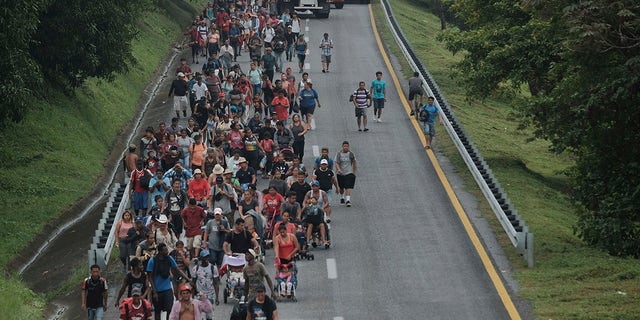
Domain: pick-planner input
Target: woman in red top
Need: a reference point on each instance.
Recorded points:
(285, 246)
(280, 105)
(271, 204)
(199, 188)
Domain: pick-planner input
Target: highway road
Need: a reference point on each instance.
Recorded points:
(400, 251)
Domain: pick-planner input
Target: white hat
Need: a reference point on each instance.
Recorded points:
(217, 211)
(324, 161)
(180, 74)
(162, 219)
(196, 171)
(218, 169)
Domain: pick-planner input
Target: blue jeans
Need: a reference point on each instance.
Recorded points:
(95, 314)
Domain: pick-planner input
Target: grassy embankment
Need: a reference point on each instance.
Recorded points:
(52, 158)
(570, 280)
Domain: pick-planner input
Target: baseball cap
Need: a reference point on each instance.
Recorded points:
(180, 74)
(217, 211)
(185, 287)
(315, 183)
(204, 253)
(196, 171)
(324, 161)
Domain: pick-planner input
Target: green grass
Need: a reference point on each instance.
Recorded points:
(570, 280)
(52, 158)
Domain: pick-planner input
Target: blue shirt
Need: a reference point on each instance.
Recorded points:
(159, 191)
(162, 284)
(433, 110)
(308, 98)
(377, 88)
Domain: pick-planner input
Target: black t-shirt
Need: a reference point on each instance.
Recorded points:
(262, 310)
(301, 190)
(325, 178)
(179, 87)
(95, 288)
(134, 282)
(264, 130)
(245, 176)
(240, 243)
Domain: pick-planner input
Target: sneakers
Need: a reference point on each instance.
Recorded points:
(379, 120)
(342, 201)
(323, 71)
(348, 203)
(366, 129)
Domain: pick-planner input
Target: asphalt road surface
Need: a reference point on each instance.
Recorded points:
(400, 251)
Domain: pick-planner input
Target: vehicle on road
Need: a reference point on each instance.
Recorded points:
(306, 8)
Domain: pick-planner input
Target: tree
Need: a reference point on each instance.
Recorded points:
(21, 75)
(79, 39)
(594, 111)
(581, 62)
(503, 45)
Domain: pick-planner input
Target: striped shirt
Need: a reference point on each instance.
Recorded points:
(326, 46)
(361, 97)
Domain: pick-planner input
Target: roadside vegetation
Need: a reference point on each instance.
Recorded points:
(53, 155)
(571, 280)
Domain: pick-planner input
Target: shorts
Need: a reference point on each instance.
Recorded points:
(164, 301)
(430, 128)
(378, 103)
(140, 200)
(301, 58)
(193, 242)
(180, 103)
(314, 220)
(329, 197)
(307, 110)
(346, 181)
(361, 112)
(414, 93)
(325, 58)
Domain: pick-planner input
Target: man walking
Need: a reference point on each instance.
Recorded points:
(429, 113)
(379, 91)
(361, 101)
(326, 45)
(346, 167)
(94, 294)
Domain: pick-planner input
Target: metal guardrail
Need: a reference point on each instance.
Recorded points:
(105, 235)
(511, 222)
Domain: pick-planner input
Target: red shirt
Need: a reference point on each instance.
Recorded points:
(135, 179)
(281, 106)
(272, 203)
(198, 189)
(140, 313)
(192, 217)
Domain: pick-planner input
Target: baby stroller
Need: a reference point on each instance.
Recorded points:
(232, 267)
(286, 281)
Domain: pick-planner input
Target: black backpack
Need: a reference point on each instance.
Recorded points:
(278, 46)
(145, 179)
(423, 115)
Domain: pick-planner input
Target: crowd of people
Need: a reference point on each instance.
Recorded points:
(196, 205)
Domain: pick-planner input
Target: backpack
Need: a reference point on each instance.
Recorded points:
(423, 115)
(278, 46)
(145, 179)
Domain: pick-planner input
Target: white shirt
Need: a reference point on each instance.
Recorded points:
(199, 90)
(269, 33)
(295, 25)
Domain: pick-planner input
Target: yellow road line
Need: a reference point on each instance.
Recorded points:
(486, 261)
